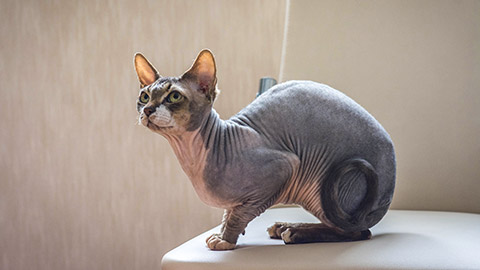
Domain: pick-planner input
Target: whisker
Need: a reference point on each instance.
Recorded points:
(137, 122)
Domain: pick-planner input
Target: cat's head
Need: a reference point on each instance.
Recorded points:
(174, 105)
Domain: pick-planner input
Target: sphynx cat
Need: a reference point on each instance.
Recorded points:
(300, 142)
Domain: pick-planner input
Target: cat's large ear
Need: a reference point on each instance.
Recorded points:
(203, 74)
(146, 72)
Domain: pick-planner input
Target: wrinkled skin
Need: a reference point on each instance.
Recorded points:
(300, 142)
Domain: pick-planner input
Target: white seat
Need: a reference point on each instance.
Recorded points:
(402, 240)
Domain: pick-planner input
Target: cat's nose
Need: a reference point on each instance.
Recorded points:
(148, 110)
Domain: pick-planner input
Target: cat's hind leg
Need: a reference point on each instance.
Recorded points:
(275, 231)
(296, 233)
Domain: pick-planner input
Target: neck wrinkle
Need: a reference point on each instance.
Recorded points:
(191, 146)
(211, 128)
(189, 149)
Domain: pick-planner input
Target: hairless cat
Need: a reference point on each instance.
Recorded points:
(300, 143)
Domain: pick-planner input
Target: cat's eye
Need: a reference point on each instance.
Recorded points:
(174, 97)
(144, 98)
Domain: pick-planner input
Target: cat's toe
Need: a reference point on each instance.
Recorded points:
(212, 236)
(215, 242)
(287, 236)
(275, 231)
(272, 232)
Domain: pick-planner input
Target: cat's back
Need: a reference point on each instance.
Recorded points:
(297, 99)
(304, 106)
(313, 114)
(300, 101)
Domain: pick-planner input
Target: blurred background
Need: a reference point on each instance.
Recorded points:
(81, 185)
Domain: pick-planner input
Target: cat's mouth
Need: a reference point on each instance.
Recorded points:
(147, 122)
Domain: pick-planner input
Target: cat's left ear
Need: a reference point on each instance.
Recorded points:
(202, 74)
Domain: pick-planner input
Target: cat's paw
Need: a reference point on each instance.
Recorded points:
(292, 235)
(288, 236)
(215, 242)
(275, 231)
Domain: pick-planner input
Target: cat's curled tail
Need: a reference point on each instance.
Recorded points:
(337, 189)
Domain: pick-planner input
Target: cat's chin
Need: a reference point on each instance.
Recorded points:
(157, 128)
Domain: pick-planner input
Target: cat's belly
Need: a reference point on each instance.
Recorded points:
(304, 186)
(305, 195)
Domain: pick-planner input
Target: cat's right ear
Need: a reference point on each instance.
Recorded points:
(146, 72)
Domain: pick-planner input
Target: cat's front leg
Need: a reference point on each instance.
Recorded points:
(234, 223)
(215, 242)
(215, 239)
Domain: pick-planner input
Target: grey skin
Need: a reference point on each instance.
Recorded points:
(300, 143)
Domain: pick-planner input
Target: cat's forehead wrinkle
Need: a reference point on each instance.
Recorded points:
(164, 86)
(160, 87)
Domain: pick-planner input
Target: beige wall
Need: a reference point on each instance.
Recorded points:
(415, 65)
(82, 186)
